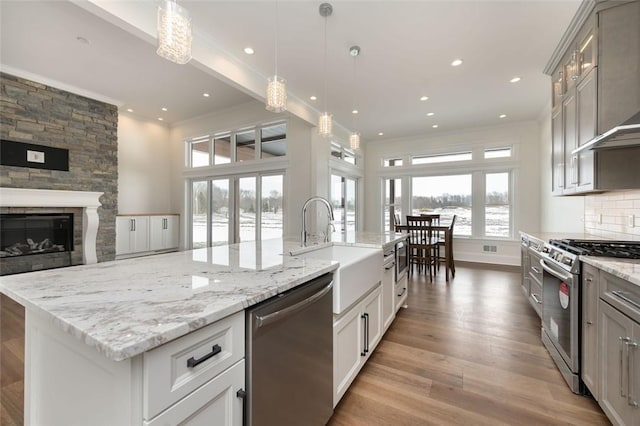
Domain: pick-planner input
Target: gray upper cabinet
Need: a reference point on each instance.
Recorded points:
(595, 86)
(619, 60)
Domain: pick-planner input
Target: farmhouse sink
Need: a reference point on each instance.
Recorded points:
(360, 270)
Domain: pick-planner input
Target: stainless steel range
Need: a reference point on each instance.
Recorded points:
(561, 301)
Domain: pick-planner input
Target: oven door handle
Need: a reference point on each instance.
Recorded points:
(555, 273)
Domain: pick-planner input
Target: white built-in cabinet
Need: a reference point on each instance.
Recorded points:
(132, 234)
(355, 335)
(143, 234)
(164, 232)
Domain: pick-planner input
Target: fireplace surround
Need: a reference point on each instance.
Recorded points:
(81, 205)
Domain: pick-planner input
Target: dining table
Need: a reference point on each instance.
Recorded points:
(445, 230)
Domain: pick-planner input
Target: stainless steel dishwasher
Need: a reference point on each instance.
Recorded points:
(290, 357)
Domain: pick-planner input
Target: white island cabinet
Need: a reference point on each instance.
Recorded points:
(71, 384)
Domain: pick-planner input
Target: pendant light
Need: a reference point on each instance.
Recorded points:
(174, 32)
(325, 123)
(276, 98)
(354, 137)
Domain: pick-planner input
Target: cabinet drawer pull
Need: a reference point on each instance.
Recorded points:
(535, 297)
(536, 270)
(404, 290)
(364, 334)
(215, 350)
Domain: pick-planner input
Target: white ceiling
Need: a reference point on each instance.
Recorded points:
(407, 48)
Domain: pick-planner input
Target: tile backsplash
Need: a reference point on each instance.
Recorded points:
(613, 215)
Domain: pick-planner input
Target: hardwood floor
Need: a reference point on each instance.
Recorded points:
(468, 352)
(11, 362)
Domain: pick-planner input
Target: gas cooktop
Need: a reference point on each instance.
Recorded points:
(619, 249)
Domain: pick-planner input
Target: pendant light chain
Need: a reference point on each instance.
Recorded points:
(276, 96)
(276, 37)
(325, 124)
(325, 63)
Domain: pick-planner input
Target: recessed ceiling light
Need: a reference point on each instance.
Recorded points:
(430, 114)
(164, 108)
(355, 111)
(380, 134)
(248, 50)
(206, 95)
(160, 119)
(503, 115)
(456, 62)
(435, 126)
(514, 80)
(424, 98)
(129, 110)
(313, 98)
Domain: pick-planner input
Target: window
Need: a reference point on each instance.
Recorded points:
(274, 140)
(340, 153)
(392, 203)
(272, 218)
(497, 153)
(200, 152)
(441, 158)
(392, 162)
(241, 145)
(233, 209)
(445, 195)
(246, 145)
(222, 149)
(497, 205)
(343, 201)
(199, 199)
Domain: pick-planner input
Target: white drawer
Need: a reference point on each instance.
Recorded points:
(217, 402)
(167, 376)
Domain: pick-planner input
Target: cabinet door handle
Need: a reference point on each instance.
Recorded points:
(622, 341)
(630, 399)
(535, 297)
(364, 324)
(588, 281)
(242, 394)
(366, 315)
(215, 350)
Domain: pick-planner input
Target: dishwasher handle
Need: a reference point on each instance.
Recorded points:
(278, 315)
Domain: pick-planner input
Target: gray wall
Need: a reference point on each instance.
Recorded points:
(34, 113)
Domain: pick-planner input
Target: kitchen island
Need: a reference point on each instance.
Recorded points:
(94, 331)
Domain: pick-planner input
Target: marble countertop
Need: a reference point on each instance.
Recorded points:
(627, 269)
(126, 307)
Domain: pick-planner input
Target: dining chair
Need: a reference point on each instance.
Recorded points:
(438, 235)
(421, 245)
(446, 255)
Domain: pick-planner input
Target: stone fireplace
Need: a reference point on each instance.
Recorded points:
(80, 207)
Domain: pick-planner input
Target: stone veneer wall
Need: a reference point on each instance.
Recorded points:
(615, 208)
(35, 113)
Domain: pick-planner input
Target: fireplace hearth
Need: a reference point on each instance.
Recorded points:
(29, 234)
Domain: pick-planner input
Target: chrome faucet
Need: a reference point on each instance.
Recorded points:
(324, 201)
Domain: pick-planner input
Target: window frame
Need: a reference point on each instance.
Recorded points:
(233, 145)
(478, 167)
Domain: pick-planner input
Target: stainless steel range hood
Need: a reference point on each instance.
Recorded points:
(625, 135)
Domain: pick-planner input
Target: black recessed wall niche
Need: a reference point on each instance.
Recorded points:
(22, 154)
